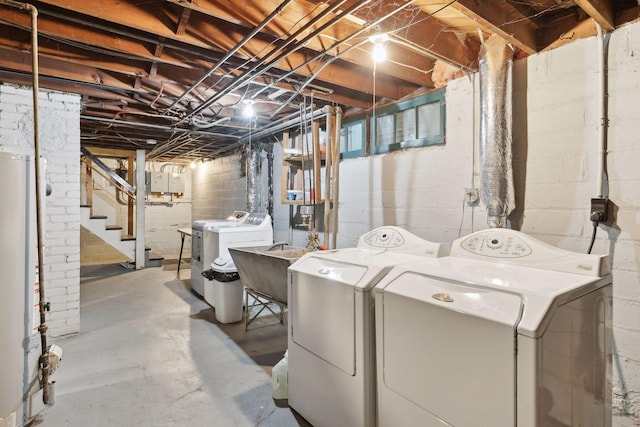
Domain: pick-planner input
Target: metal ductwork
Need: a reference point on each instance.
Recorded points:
(496, 174)
(253, 159)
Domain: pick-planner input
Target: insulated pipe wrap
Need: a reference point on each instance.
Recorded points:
(495, 130)
(252, 179)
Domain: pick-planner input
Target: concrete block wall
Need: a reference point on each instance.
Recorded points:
(218, 188)
(562, 155)
(555, 160)
(59, 136)
(163, 214)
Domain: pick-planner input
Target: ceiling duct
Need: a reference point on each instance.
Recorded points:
(496, 174)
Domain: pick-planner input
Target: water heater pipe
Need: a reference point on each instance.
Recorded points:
(42, 328)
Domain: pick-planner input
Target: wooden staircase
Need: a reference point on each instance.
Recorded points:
(112, 235)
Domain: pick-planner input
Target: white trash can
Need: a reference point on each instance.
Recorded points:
(228, 291)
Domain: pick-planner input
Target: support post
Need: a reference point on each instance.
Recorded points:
(130, 210)
(140, 199)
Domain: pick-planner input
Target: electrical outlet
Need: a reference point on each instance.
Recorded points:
(599, 208)
(471, 196)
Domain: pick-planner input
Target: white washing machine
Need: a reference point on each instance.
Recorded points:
(254, 230)
(198, 245)
(331, 371)
(506, 331)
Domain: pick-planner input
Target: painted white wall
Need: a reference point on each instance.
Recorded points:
(59, 135)
(555, 155)
(218, 188)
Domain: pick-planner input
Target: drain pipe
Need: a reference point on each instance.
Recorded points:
(604, 120)
(42, 328)
(336, 178)
(327, 177)
(600, 204)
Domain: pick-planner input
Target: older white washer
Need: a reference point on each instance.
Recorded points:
(331, 371)
(253, 230)
(199, 242)
(507, 331)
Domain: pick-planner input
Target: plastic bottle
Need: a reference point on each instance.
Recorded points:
(279, 380)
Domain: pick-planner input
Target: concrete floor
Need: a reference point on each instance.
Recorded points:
(150, 353)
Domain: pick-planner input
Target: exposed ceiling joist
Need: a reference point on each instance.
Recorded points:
(179, 71)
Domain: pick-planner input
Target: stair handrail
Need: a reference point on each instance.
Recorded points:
(114, 177)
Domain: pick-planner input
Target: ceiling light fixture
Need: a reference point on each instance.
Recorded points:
(248, 111)
(379, 52)
(192, 165)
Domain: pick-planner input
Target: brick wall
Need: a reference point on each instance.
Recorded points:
(59, 135)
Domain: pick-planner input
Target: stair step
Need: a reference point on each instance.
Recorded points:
(153, 260)
(98, 217)
(85, 206)
(113, 227)
(127, 237)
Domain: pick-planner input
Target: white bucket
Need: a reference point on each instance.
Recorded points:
(279, 378)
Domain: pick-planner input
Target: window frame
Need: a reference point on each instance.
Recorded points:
(416, 103)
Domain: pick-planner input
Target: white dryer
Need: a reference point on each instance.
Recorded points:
(506, 331)
(331, 371)
(253, 230)
(199, 242)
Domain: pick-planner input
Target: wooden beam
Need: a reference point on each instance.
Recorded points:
(495, 20)
(207, 33)
(112, 153)
(183, 21)
(601, 11)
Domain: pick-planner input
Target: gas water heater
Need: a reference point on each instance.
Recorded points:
(19, 293)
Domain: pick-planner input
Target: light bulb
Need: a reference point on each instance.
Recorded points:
(192, 165)
(248, 110)
(379, 52)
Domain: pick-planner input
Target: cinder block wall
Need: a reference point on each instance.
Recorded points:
(555, 160)
(218, 187)
(59, 135)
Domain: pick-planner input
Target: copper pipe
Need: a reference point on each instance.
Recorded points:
(42, 328)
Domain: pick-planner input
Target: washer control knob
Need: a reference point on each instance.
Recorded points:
(495, 243)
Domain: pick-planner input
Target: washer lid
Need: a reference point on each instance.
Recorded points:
(360, 268)
(434, 335)
(489, 304)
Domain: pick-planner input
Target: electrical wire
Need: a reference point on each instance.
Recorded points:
(593, 236)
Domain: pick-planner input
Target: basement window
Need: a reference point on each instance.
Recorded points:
(414, 123)
(353, 137)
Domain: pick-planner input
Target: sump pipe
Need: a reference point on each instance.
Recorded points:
(42, 328)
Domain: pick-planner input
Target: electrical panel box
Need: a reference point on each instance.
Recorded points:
(158, 182)
(177, 183)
